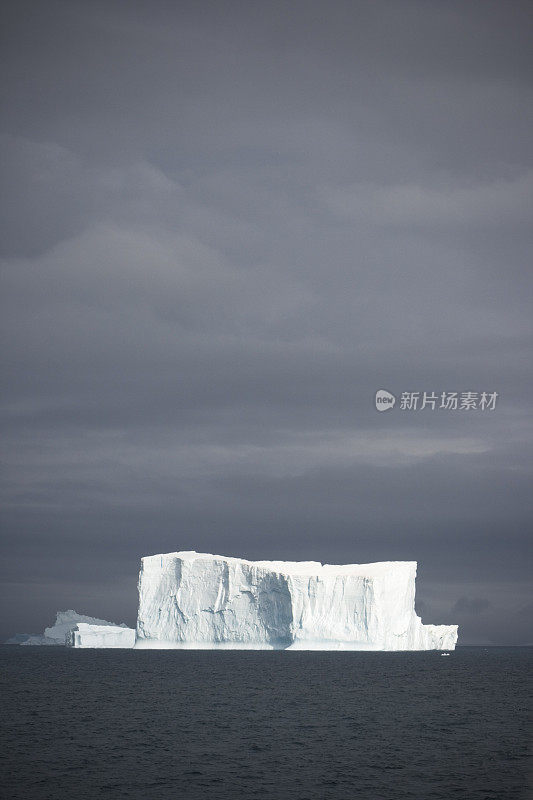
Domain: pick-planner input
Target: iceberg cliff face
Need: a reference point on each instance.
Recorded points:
(198, 600)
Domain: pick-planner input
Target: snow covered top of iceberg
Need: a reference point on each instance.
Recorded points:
(315, 568)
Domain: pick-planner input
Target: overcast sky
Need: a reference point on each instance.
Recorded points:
(225, 225)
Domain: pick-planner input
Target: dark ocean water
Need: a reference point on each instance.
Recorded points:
(240, 725)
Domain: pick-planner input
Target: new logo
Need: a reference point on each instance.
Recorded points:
(384, 400)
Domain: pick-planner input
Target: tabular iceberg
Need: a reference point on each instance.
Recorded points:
(66, 621)
(199, 600)
(85, 635)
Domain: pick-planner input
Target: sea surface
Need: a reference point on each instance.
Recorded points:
(196, 725)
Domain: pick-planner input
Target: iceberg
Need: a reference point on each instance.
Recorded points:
(204, 601)
(85, 635)
(57, 633)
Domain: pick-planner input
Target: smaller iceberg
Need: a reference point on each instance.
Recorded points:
(66, 622)
(85, 635)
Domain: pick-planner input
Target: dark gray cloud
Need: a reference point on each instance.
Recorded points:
(224, 227)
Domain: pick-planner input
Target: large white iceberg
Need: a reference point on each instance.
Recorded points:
(199, 600)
